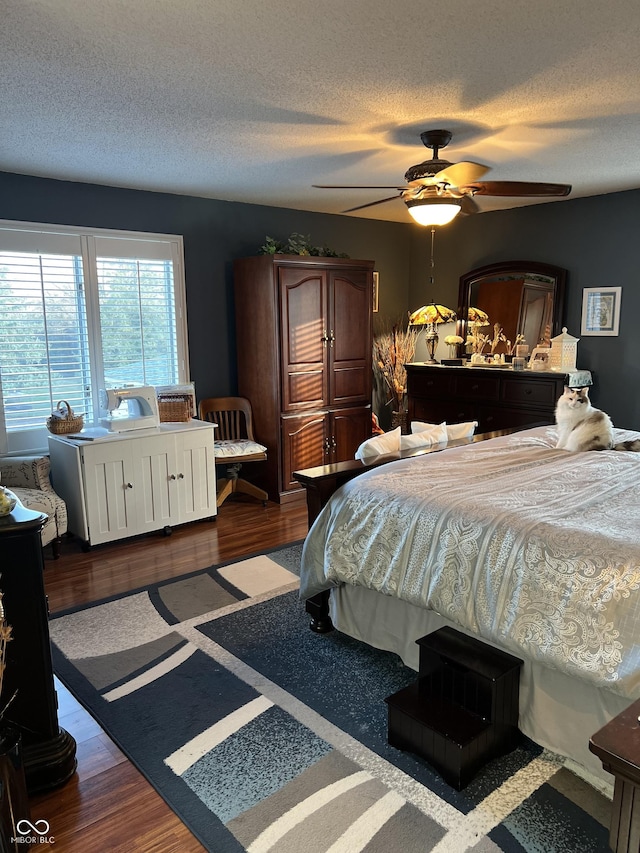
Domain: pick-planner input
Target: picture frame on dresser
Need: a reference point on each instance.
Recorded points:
(601, 311)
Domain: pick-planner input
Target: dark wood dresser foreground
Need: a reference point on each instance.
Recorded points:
(617, 745)
(498, 398)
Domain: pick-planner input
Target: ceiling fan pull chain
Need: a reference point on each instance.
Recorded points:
(432, 278)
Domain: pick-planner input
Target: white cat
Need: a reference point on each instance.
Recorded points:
(583, 427)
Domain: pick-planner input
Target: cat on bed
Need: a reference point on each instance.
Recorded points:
(583, 427)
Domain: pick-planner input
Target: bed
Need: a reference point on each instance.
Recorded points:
(531, 549)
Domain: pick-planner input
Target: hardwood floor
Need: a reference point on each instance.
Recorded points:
(108, 805)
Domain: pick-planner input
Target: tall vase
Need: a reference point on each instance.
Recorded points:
(399, 419)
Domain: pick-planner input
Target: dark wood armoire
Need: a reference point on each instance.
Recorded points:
(304, 341)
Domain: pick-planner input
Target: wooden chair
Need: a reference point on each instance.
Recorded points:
(234, 444)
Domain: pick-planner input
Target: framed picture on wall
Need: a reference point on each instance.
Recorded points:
(601, 310)
(376, 287)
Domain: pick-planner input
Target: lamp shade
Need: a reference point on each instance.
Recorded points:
(431, 314)
(433, 211)
(477, 315)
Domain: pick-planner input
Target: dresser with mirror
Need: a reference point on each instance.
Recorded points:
(525, 298)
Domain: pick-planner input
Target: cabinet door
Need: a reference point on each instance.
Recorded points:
(110, 494)
(305, 444)
(350, 336)
(349, 428)
(196, 474)
(304, 337)
(155, 485)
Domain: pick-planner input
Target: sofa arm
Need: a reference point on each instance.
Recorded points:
(27, 472)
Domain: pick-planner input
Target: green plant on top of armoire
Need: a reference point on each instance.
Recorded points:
(297, 244)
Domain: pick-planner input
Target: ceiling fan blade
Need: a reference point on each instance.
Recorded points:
(516, 188)
(468, 206)
(352, 187)
(371, 204)
(460, 174)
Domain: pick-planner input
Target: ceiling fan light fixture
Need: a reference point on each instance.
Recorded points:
(433, 211)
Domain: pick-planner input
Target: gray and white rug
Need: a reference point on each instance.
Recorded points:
(265, 737)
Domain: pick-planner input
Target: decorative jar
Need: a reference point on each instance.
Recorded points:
(564, 352)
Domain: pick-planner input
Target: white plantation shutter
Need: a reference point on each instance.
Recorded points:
(82, 311)
(137, 320)
(43, 336)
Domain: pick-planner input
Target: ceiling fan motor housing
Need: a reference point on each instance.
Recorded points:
(428, 169)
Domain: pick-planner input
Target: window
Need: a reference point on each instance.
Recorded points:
(82, 310)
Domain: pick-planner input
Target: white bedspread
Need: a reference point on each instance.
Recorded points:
(530, 547)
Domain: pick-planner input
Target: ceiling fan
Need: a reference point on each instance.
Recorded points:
(438, 190)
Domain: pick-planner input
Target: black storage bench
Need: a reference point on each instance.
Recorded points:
(463, 709)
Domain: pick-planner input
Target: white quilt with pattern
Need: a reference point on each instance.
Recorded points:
(531, 547)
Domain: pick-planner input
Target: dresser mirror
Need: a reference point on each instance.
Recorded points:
(524, 297)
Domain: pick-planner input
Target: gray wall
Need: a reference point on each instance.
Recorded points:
(215, 232)
(593, 238)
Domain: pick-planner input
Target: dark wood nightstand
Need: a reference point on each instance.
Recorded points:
(617, 745)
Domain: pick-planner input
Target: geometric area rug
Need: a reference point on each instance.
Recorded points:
(265, 737)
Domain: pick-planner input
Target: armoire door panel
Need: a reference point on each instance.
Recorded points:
(350, 325)
(348, 382)
(303, 332)
(304, 445)
(349, 428)
(305, 388)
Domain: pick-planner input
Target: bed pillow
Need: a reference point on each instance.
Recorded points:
(388, 442)
(433, 435)
(465, 430)
(454, 431)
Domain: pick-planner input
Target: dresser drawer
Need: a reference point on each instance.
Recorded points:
(534, 392)
(436, 411)
(429, 383)
(478, 387)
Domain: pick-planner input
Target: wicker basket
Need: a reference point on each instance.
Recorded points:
(68, 424)
(175, 408)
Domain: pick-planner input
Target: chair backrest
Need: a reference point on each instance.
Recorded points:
(232, 414)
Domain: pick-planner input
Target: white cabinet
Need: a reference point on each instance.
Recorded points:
(139, 482)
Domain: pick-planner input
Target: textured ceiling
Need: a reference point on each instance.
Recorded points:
(255, 101)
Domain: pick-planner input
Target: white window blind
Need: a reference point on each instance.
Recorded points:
(81, 311)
